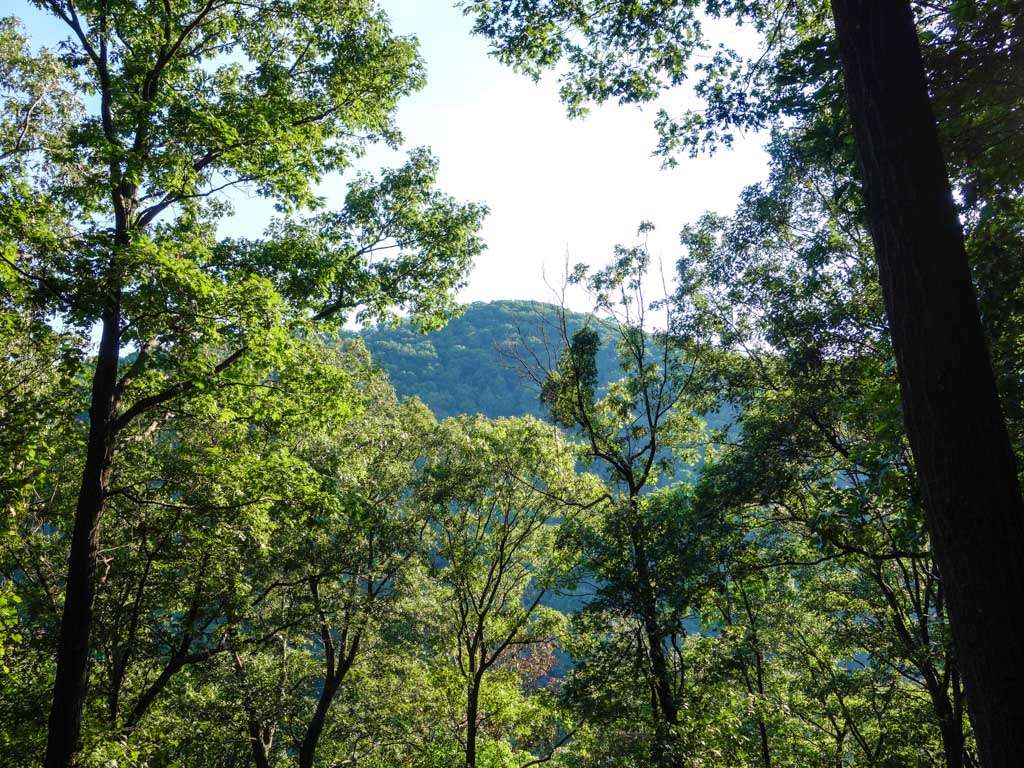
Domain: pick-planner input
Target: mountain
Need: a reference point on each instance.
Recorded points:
(467, 366)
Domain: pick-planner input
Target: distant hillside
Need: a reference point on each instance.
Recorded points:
(461, 368)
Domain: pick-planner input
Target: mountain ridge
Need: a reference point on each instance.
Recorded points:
(466, 366)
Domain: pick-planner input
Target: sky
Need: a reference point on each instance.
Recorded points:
(559, 190)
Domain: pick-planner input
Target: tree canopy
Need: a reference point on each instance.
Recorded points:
(700, 528)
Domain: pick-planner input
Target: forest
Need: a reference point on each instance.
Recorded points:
(284, 500)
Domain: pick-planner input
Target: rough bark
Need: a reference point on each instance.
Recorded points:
(963, 455)
(71, 680)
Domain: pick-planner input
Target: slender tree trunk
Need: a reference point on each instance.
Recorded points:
(472, 712)
(71, 681)
(151, 693)
(261, 737)
(951, 727)
(840, 761)
(762, 727)
(258, 743)
(307, 750)
(669, 715)
(952, 743)
(963, 455)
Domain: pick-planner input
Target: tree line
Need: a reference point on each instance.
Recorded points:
(790, 524)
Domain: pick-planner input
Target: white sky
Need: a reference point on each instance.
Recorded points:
(557, 188)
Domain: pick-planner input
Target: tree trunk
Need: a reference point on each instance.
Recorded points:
(951, 726)
(307, 750)
(966, 465)
(669, 712)
(258, 743)
(472, 711)
(154, 689)
(71, 681)
(762, 727)
(952, 743)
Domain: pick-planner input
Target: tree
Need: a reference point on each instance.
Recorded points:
(344, 568)
(636, 431)
(494, 489)
(962, 451)
(256, 552)
(41, 384)
(112, 202)
(788, 288)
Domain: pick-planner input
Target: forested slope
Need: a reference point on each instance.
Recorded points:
(469, 365)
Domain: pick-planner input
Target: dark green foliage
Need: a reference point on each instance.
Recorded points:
(468, 367)
(577, 368)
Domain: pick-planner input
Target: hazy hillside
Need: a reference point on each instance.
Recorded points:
(462, 369)
(466, 368)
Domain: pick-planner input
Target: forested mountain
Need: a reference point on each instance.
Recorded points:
(469, 365)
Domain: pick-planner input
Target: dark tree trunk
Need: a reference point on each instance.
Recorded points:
(307, 750)
(966, 465)
(659, 668)
(952, 743)
(150, 694)
(258, 743)
(951, 726)
(762, 728)
(668, 712)
(472, 712)
(71, 681)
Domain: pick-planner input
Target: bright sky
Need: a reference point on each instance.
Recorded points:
(557, 188)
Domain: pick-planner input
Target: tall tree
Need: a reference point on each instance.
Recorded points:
(635, 432)
(967, 468)
(340, 567)
(819, 453)
(494, 489)
(173, 103)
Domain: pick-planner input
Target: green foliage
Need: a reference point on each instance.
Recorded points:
(577, 370)
(496, 490)
(815, 474)
(469, 366)
(299, 566)
(116, 152)
(819, 476)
